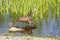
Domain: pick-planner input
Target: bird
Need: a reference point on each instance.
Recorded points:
(29, 29)
(32, 26)
(26, 30)
(27, 18)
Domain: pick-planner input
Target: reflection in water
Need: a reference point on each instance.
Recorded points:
(52, 27)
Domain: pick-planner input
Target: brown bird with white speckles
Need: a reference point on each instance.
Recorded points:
(27, 18)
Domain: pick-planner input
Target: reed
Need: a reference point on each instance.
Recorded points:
(19, 8)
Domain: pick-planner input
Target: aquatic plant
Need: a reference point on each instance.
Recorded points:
(19, 8)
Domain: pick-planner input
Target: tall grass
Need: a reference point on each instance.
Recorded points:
(19, 8)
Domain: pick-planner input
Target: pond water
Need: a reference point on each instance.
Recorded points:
(50, 28)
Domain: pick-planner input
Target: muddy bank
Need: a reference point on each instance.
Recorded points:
(26, 38)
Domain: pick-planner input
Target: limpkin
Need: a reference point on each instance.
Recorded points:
(27, 18)
(28, 29)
